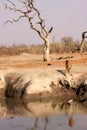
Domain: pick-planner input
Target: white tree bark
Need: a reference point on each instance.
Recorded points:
(46, 50)
(82, 46)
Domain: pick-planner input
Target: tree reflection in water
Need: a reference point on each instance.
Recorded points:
(36, 124)
(39, 114)
(70, 106)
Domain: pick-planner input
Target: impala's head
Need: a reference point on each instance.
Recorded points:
(67, 61)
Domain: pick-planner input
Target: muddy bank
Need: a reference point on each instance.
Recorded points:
(43, 83)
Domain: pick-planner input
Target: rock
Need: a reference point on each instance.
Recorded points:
(42, 83)
(81, 90)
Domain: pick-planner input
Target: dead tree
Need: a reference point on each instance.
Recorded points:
(30, 12)
(82, 42)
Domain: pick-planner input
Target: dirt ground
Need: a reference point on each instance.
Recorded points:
(78, 61)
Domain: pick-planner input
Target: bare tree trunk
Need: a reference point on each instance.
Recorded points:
(82, 45)
(46, 50)
(82, 42)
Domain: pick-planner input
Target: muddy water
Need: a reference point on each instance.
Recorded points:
(51, 114)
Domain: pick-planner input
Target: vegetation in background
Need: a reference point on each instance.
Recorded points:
(66, 45)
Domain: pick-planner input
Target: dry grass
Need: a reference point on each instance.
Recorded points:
(24, 56)
(70, 47)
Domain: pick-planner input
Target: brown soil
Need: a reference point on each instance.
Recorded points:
(33, 61)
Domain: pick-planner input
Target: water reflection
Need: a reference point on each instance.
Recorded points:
(41, 115)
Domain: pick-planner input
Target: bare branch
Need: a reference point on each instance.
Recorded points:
(14, 20)
(8, 21)
(34, 28)
(42, 22)
(11, 3)
(15, 9)
(83, 35)
(12, 7)
(50, 29)
(30, 7)
(85, 32)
